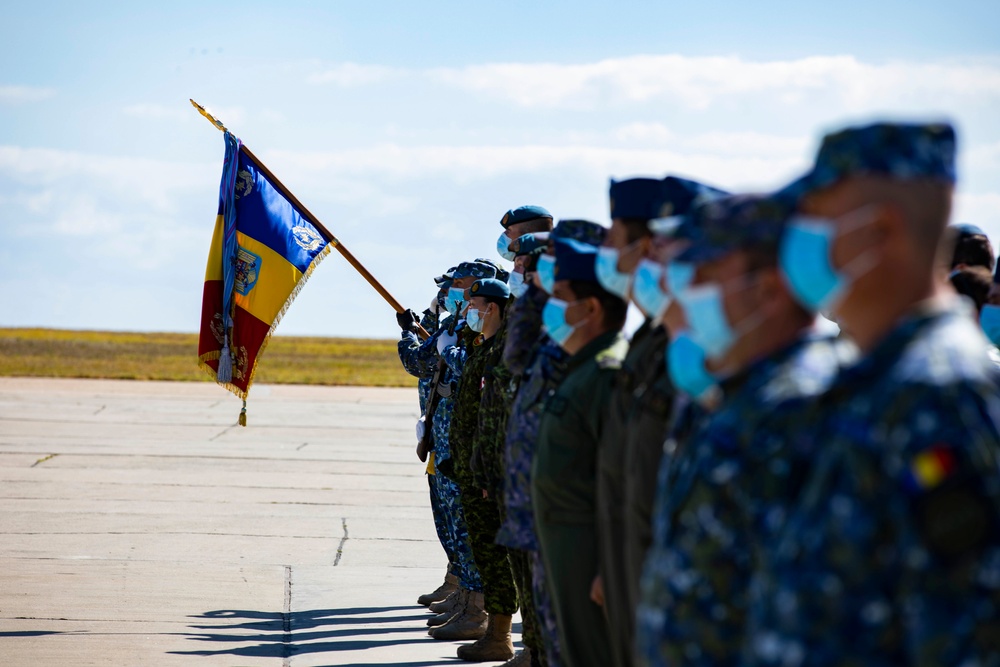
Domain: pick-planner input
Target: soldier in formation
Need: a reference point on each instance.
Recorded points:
(731, 485)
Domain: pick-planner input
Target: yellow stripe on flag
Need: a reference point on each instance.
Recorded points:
(275, 281)
(214, 269)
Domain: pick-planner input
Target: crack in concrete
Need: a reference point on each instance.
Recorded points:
(340, 547)
(44, 459)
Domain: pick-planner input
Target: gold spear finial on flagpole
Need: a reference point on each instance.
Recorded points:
(307, 214)
(204, 112)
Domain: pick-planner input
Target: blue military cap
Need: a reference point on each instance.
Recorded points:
(575, 260)
(656, 198)
(900, 151)
(530, 244)
(737, 222)
(476, 269)
(680, 196)
(524, 214)
(490, 288)
(584, 231)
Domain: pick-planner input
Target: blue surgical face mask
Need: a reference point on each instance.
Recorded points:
(679, 276)
(686, 366)
(546, 270)
(646, 291)
(806, 259)
(706, 317)
(989, 320)
(554, 321)
(453, 301)
(474, 319)
(516, 284)
(608, 275)
(503, 247)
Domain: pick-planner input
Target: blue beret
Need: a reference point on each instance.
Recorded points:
(584, 231)
(575, 260)
(530, 244)
(737, 222)
(489, 287)
(524, 214)
(896, 150)
(476, 269)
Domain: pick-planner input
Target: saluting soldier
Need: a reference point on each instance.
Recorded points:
(585, 320)
(642, 398)
(409, 349)
(463, 605)
(892, 554)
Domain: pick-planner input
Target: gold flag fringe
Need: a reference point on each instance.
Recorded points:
(214, 354)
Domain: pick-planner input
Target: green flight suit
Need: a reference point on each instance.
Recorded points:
(564, 489)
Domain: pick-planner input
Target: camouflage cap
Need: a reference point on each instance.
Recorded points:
(490, 288)
(524, 214)
(584, 231)
(476, 269)
(737, 222)
(897, 150)
(654, 199)
(575, 260)
(501, 274)
(445, 279)
(530, 244)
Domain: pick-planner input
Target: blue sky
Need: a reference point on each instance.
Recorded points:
(409, 128)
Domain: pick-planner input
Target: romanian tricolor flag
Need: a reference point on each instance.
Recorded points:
(263, 250)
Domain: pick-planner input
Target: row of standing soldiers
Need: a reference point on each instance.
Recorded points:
(730, 486)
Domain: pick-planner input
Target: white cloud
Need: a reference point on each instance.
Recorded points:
(699, 82)
(157, 112)
(24, 94)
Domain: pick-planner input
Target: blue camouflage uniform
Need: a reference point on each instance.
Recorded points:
(892, 554)
(536, 374)
(725, 479)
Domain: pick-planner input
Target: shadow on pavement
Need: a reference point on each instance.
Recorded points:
(273, 634)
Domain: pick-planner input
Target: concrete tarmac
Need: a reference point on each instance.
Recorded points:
(139, 525)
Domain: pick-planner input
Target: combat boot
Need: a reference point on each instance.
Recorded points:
(469, 624)
(522, 659)
(443, 591)
(450, 603)
(494, 646)
(460, 598)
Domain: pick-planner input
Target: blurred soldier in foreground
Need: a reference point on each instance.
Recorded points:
(892, 554)
(642, 398)
(736, 468)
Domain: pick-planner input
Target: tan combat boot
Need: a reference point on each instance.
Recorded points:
(495, 644)
(469, 624)
(459, 598)
(443, 591)
(522, 659)
(450, 603)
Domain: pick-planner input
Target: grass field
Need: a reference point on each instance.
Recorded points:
(167, 356)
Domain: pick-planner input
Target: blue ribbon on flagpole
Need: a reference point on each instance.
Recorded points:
(227, 194)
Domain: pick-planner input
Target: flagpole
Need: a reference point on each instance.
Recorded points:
(307, 214)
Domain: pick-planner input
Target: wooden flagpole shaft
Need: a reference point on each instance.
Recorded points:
(308, 215)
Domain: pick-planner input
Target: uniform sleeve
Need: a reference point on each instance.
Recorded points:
(419, 358)
(947, 484)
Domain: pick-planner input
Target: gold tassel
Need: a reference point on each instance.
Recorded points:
(243, 414)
